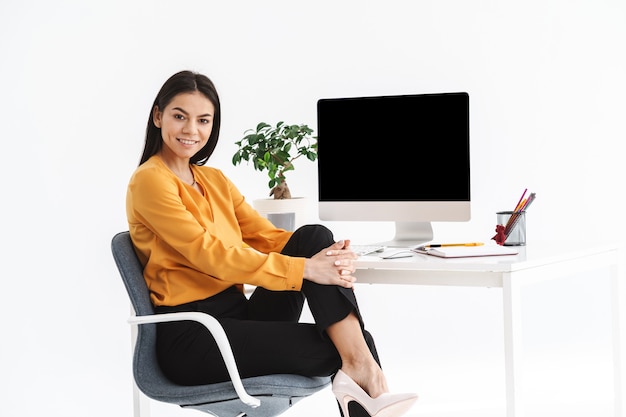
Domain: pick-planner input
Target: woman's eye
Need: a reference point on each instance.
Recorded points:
(179, 116)
(205, 121)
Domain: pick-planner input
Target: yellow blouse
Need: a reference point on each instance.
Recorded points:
(194, 246)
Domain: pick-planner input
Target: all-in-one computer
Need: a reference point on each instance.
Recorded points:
(400, 158)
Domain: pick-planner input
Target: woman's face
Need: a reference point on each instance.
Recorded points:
(185, 123)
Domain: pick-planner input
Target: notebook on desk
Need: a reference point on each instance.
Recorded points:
(467, 251)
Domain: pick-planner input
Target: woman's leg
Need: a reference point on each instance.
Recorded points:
(287, 305)
(329, 304)
(336, 313)
(188, 354)
(358, 360)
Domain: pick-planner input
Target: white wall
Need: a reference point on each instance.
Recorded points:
(547, 86)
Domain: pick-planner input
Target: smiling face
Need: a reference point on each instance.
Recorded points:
(186, 124)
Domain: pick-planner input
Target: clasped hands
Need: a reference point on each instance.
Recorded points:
(332, 266)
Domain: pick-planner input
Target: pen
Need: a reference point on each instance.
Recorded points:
(519, 203)
(442, 245)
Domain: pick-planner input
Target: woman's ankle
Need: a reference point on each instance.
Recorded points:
(369, 377)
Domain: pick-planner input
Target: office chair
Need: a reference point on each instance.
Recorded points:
(262, 396)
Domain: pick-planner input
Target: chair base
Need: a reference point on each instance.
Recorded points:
(270, 406)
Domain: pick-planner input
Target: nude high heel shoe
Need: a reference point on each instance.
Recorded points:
(385, 405)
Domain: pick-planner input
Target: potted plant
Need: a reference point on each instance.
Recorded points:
(274, 149)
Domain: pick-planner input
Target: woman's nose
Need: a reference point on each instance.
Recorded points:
(190, 127)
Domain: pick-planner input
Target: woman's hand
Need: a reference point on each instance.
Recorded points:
(332, 266)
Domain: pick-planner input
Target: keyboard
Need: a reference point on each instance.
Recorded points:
(363, 250)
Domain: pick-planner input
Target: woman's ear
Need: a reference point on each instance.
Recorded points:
(156, 116)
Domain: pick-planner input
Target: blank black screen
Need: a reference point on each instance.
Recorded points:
(394, 148)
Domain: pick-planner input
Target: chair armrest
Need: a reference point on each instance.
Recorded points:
(220, 338)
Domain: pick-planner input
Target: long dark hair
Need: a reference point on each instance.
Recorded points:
(183, 82)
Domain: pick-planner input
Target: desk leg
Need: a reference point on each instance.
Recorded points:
(619, 367)
(512, 345)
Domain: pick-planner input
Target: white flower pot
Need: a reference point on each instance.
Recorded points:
(297, 205)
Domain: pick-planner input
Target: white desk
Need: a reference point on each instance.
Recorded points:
(534, 263)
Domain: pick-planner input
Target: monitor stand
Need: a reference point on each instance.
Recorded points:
(409, 234)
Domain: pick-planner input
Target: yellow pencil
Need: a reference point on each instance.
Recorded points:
(442, 245)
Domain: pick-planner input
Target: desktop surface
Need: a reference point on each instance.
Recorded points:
(536, 253)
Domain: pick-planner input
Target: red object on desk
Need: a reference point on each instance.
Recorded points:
(500, 236)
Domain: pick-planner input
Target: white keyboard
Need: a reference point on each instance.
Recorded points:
(363, 250)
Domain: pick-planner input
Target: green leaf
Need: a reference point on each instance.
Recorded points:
(261, 126)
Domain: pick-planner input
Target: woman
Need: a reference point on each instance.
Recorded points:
(200, 242)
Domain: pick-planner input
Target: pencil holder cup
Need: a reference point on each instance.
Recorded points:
(514, 224)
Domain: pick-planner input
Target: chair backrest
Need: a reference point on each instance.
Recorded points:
(277, 392)
(148, 376)
(131, 271)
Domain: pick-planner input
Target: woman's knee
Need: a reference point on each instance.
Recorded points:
(308, 240)
(317, 231)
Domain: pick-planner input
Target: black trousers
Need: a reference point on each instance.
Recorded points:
(264, 331)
